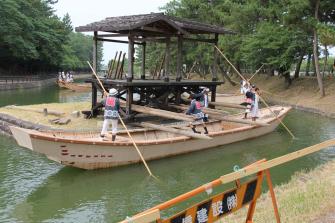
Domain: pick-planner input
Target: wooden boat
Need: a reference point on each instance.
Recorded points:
(89, 151)
(74, 86)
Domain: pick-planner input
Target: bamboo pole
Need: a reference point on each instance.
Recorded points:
(173, 130)
(255, 73)
(224, 104)
(110, 73)
(117, 65)
(125, 127)
(162, 113)
(120, 75)
(206, 110)
(243, 78)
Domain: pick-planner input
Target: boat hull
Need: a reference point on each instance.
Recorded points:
(96, 155)
(74, 86)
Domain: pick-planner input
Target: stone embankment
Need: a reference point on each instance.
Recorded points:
(14, 84)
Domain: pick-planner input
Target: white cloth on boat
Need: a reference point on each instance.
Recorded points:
(254, 107)
(107, 123)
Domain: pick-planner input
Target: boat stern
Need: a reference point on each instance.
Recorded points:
(22, 137)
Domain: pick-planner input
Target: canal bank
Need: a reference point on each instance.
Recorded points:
(16, 83)
(303, 94)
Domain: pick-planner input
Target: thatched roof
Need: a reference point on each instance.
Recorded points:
(154, 23)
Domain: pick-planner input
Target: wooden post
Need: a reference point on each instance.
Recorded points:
(215, 60)
(110, 72)
(117, 66)
(213, 94)
(130, 59)
(120, 72)
(143, 61)
(167, 60)
(273, 196)
(252, 205)
(130, 74)
(94, 89)
(179, 58)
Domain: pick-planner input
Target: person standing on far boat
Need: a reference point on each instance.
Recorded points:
(204, 98)
(195, 110)
(254, 105)
(111, 115)
(243, 86)
(248, 100)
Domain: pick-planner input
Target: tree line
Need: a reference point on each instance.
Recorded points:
(277, 33)
(34, 40)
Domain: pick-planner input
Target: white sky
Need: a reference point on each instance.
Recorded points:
(83, 12)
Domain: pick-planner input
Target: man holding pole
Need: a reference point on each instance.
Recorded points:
(111, 114)
(195, 110)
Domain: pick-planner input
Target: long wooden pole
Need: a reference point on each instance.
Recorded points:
(125, 127)
(243, 78)
(173, 130)
(216, 115)
(255, 73)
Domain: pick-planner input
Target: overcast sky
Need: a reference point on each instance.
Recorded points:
(83, 12)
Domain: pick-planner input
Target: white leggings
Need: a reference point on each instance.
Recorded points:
(106, 124)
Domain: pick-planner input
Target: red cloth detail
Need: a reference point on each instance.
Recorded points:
(110, 101)
(197, 105)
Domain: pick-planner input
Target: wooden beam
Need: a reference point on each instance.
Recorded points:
(151, 39)
(242, 121)
(117, 41)
(201, 40)
(120, 72)
(215, 114)
(155, 30)
(130, 58)
(173, 130)
(112, 35)
(215, 60)
(95, 53)
(160, 113)
(117, 65)
(94, 89)
(38, 110)
(110, 73)
(224, 104)
(206, 110)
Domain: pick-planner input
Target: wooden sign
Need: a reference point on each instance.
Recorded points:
(218, 206)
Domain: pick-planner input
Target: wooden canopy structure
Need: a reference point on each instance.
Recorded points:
(155, 27)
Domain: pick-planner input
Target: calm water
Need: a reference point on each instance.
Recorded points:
(34, 189)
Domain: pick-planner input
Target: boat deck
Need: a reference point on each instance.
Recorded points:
(141, 135)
